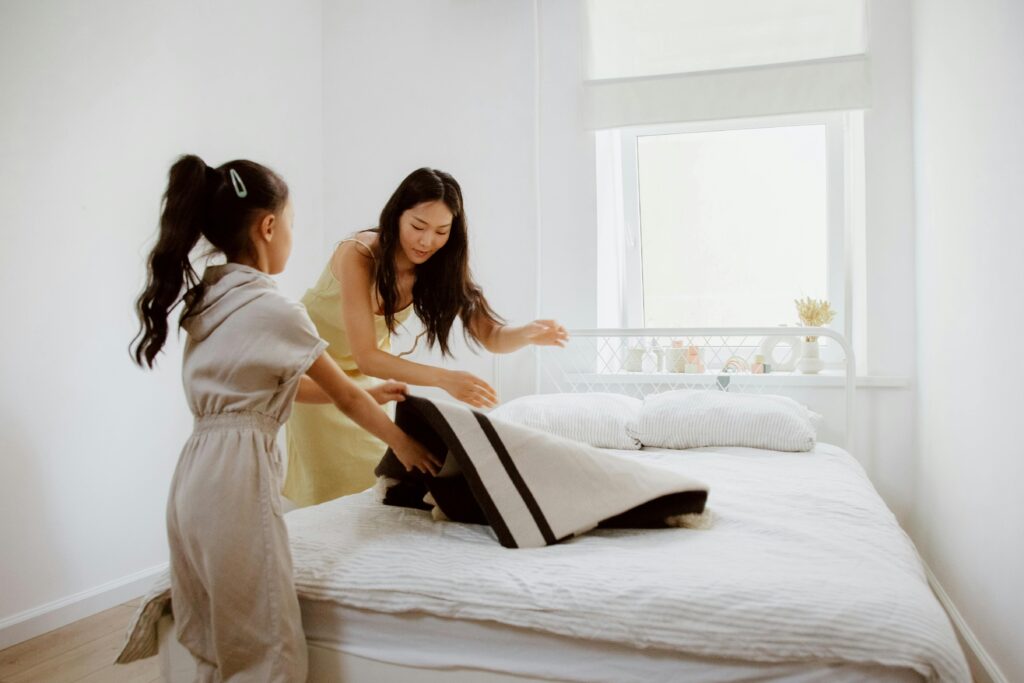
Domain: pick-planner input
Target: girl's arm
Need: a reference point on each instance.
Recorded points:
(364, 411)
(310, 392)
(355, 273)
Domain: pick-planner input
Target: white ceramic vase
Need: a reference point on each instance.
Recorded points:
(675, 359)
(810, 359)
(633, 360)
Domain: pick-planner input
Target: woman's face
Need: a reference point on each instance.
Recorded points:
(423, 229)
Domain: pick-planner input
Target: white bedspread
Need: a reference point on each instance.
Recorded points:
(803, 562)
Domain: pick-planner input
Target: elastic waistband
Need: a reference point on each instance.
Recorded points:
(237, 419)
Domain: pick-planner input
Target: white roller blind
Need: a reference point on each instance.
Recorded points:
(653, 61)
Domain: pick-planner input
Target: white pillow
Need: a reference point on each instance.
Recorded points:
(693, 418)
(598, 419)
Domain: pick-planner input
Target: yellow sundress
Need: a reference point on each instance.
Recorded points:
(329, 455)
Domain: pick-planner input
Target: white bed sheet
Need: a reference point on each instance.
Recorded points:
(422, 641)
(804, 566)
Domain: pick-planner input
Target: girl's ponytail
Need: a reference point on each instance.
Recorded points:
(219, 204)
(186, 209)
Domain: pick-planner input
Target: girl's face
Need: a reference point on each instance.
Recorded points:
(279, 248)
(423, 230)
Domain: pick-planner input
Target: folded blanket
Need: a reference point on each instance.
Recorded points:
(533, 488)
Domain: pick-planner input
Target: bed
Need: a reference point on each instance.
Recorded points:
(803, 574)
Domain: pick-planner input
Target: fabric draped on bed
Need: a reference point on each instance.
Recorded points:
(533, 488)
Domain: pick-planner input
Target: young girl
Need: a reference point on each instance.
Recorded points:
(247, 355)
(416, 260)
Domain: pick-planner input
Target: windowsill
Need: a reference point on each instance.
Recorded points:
(825, 378)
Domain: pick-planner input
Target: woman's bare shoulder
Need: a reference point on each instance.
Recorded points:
(367, 238)
(362, 246)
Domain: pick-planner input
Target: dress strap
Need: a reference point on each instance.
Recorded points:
(360, 243)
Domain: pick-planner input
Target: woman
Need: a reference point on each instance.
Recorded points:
(416, 260)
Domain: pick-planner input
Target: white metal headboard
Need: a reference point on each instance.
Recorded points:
(638, 362)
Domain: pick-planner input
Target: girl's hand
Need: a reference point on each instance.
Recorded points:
(546, 333)
(414, 456)
(468, 388)
(388, 391)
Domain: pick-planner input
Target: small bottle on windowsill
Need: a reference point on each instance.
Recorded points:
(694, 363)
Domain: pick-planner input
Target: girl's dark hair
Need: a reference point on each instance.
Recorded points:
(219, 204)
(444, 285)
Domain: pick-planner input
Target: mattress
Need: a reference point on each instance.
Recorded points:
(422, 641)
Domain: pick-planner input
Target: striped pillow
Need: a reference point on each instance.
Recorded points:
(599, 419)
(694, 418)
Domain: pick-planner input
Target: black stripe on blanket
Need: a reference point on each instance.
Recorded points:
(434, 417)
(517, 479)
(464, 498)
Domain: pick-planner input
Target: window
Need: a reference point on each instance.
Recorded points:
(723, 224)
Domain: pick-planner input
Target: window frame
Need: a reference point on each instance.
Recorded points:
(839, 134)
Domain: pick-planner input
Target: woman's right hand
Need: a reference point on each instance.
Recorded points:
(468, 388)
(390, 390)
(414, 456)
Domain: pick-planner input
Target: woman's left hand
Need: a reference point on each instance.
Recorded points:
(546, 333)
(388, 391)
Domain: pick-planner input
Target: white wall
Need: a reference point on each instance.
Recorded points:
(969, 153)
(98, 100)
(887, 439)
(567, 185)
(448, 85)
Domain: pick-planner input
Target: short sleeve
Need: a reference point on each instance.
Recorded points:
(290, 339)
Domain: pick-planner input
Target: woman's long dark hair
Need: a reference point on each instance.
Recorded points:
(219, 204)
(444, 285)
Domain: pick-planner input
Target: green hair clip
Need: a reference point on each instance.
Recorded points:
(236, 182)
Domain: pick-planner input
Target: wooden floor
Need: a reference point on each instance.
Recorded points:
(83, 651)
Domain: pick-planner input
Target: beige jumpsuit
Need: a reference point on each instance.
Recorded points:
(234, 602)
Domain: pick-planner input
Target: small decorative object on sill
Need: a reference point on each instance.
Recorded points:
(813, 313)
(675, 358)
(758, 367)
(789, 346)
(694, 360)
(810, 361)
(652, 357)
(633, 359)
(735, 364)
(656, 358)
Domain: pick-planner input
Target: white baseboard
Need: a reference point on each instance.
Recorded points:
(983, 668)
(45, 618)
